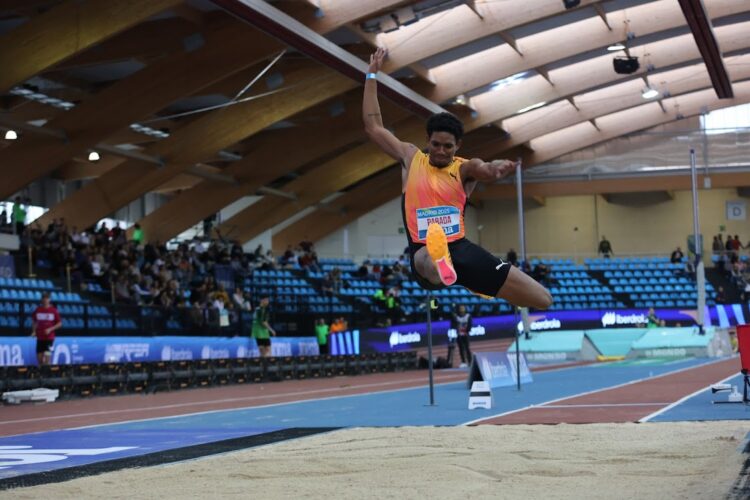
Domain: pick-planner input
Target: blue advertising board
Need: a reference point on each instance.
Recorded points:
(20, 351)
(414, 335)
(7, 266)
(498, 369)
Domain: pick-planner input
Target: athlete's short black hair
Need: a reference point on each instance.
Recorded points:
(445, 122)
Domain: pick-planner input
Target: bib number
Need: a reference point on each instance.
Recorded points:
(448, 217)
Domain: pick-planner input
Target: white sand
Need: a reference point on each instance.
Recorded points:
(640, 461)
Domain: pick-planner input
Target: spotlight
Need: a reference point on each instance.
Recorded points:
(626, 65)
(649, 93)
(616, 47)
(11, 135)
(93, 156)
(570, 4)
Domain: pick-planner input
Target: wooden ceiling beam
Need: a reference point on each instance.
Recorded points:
(561, 43)
(197, 141)
(205, 199)
(66, 30)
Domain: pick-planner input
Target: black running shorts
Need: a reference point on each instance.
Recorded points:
(43, 346)
(477, 269)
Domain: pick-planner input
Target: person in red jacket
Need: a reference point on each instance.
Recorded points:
(45, 320)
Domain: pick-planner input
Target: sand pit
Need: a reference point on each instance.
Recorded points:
(643, 461)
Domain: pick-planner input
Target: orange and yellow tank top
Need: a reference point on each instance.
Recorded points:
(434, 194)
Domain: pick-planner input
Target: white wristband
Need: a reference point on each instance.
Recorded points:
(371, 76)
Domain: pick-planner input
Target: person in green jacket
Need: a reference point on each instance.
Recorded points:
(321, 331)
(262, 330)
(138, 235)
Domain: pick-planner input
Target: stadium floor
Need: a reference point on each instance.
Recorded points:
(76, 438)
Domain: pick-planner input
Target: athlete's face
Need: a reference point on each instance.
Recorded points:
(442, 146)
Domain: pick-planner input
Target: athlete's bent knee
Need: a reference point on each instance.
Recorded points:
(543, 300)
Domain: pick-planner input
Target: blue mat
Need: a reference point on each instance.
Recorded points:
(659, 338)
(614, 342)
(562, 341)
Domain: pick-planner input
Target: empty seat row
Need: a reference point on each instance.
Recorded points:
(25, 283)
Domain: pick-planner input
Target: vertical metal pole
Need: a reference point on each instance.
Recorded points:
(429, 347)
(522, 249)
(700, 274)
(521, 222)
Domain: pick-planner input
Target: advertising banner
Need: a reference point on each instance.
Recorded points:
(19, 351)
(414, 335)
(498, 369)
(7, 266)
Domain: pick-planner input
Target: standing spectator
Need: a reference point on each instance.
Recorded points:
(262, 330)
(676, 257)
(653, 320)
(19, 215)
(512, 257)
(45, 320)
(461, 322)
(605, 248)
(321, 331)
(138, 235)
(717, 246)
(736, 244)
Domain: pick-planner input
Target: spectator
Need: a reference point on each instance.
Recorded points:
(262, 330)
(19, 215)
(512, 257)
(721, 297)
(461, 322)
(326, 285)
(321, 331)
(45, 320)
(541, 273)
(676, 256)
(306, 246)
(240, 301)
(717, 246)
(653, 321)
(605, 248)
(736, 244)
(138, 235)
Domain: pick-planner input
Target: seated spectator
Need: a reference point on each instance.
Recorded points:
(306, 246)
(241, 302)
(721, 297)
(676, 256)
(541, 273)
(326, 285)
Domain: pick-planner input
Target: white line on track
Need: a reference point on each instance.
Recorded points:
(585, 393)
(600, 405)
(682, 400)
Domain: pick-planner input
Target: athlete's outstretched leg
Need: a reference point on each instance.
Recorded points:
(522, 290)
(425, 267)
(437, 247)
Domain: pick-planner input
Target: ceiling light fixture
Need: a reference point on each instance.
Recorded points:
(93, 156)
(616, 47)
(649, 93)
(11, 135)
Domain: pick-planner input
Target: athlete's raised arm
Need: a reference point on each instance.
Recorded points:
(389, 143)
(482, 171)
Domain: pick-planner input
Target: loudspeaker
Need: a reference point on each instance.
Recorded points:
(625, 65)
(570, 4)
